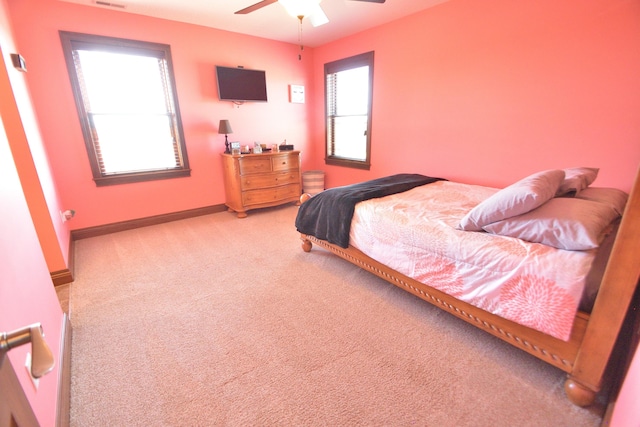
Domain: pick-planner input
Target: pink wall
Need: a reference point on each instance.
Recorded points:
(31, 158)
(195, 51)
(26, 291)
(488, 92)
(27, 295)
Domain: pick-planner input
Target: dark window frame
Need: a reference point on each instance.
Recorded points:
(72, 41)
(356, 61)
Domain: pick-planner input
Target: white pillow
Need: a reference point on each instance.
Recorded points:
(576, 180)
(516, 199)
(611, 196)
(564, 223)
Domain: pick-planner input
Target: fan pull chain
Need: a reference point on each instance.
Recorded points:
(300, 17)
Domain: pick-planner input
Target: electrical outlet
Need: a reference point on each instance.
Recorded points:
(27, 364)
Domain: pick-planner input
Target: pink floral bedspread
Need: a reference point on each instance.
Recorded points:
(415, 233)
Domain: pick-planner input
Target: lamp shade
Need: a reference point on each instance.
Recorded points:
(225, 127)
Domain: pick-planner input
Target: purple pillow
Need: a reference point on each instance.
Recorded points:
(564, 223)
(615, 198)
(516, 199)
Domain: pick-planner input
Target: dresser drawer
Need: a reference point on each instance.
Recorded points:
(255, 181)
(269, 195)
(249, 165)
(283, 162)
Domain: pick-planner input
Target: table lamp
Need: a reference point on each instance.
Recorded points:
(225, 128)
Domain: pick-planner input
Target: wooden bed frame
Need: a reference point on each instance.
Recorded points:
(584, 357)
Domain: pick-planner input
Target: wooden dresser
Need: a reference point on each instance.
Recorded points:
(253, 181)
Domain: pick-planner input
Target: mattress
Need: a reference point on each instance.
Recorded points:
(415, 233)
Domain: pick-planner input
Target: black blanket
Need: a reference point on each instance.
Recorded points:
(328, 214)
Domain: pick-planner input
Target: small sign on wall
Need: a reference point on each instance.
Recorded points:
(296, 94)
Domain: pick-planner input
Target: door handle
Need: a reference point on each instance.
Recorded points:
(42, 361)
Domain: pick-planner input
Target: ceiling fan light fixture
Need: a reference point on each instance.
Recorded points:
(300, 8)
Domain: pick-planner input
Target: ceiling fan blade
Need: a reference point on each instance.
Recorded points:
(318, 17)
(256, 6)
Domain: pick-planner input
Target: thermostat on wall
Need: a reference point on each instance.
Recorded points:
(296, 94)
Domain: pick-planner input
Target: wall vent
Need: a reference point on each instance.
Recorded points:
(109, 4)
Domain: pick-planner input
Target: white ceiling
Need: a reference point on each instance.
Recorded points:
(346, 17)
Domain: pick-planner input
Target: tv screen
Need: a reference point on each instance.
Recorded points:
(241, 84)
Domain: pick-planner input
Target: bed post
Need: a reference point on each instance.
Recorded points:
(616, 291)
(306, 243)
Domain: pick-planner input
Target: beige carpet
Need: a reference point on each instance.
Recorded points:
(223, 321)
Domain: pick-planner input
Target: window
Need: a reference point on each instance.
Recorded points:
(128, 108)
(348, 91)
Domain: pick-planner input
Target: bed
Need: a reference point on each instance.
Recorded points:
(548, 264)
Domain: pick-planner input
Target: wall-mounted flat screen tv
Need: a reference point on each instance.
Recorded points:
(241, 84)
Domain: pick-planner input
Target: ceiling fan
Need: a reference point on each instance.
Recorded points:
(299, 8)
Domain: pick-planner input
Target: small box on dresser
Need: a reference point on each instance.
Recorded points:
(253, 181)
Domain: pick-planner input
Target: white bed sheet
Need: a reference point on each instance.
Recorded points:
(415, 233)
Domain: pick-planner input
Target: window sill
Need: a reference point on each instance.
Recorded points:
(355, 164)
(129, 178)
